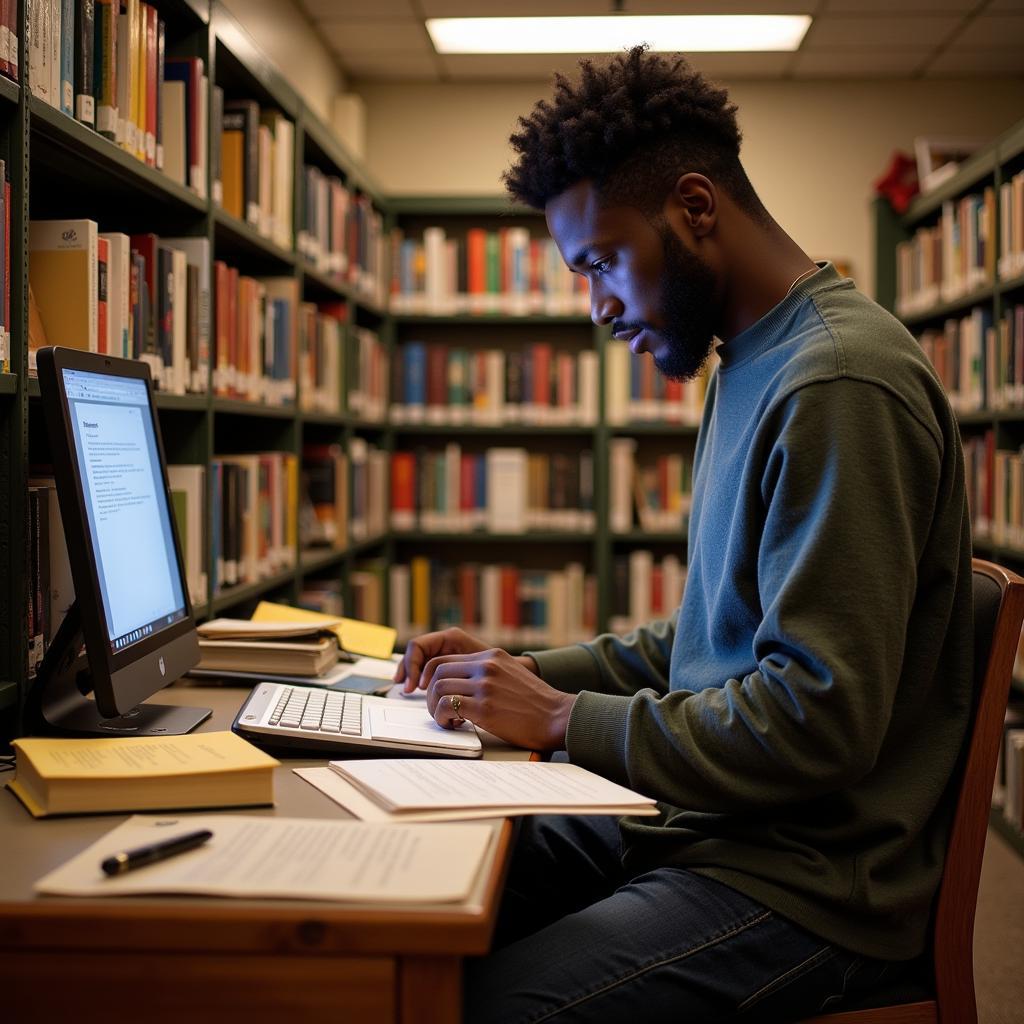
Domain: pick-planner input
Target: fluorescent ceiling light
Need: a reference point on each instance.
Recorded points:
(612, 33)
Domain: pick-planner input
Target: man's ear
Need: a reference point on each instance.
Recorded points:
(692, 205)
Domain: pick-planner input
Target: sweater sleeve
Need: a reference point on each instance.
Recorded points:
(612, 664)
(845, 494)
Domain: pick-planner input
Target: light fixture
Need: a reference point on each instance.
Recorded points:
(611, 33)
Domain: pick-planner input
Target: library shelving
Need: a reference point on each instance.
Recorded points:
(952, 268)
(330, 266)
(78, 173)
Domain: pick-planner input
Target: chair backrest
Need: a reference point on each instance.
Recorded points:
(998, 613)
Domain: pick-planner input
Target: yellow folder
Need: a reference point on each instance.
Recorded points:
(366, 638)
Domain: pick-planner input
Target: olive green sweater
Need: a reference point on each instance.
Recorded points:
(799, 719)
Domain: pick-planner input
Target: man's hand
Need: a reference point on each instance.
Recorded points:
(499, 693)
(421, 649)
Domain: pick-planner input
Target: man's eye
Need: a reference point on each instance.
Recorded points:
(601, 266)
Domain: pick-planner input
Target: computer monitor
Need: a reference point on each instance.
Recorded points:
(131, 604)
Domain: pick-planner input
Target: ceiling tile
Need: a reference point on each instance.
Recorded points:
(332, 10)
(832, 32)
(875, 63)
(371, 66)
(975, 62)
(995, 31)
(396, 36)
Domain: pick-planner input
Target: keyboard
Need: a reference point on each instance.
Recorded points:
(331, 722)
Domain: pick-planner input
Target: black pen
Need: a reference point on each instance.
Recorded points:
(128, 860)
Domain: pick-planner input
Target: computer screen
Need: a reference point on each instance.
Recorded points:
(131, 606)
(115, 445)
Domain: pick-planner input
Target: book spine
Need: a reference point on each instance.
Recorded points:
(102, 313)
(105, 67)
(85, 104)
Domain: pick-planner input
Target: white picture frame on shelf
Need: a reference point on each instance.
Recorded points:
(938, 159)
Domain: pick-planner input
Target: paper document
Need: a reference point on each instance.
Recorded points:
(497, 787)
(289, 858)
(247, 629)
(357, 637)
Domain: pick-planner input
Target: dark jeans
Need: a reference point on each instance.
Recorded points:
(579, 940)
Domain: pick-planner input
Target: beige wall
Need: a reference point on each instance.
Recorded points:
(284, 34)
(812, 149)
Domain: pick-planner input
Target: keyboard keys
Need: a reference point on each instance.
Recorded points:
(318, 711)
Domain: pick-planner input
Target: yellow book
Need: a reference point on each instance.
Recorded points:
(62, 272)
(365, 638)
(420, 570)
(82, 776)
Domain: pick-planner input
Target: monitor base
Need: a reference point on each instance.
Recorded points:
(58, 704)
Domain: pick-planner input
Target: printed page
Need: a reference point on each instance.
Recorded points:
(290, 858)
(359, 805)
(435, 785)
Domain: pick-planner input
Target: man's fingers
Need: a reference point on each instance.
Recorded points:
(453, 709)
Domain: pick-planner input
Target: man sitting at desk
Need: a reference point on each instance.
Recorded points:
(800, 717)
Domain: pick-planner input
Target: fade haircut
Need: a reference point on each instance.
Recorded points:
(632, 126)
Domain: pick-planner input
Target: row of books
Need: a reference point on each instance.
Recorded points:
(256, 340)
(995, 490)
(253, 176)
(104, 63)
(254, 516)
(1011, 227)
(342, 234)
(653, 493)
(321, 356)
(344, 494)
(9, 39)
(535, 384)
(188, 498)
(5, 269)
(368, 393)
(981, 364)
(636, 392)
(502, 490)
(504, 271)
(139, 297)
(944, 262)
(369, 509)
(323, 515)
(505, 605)
(645, 588)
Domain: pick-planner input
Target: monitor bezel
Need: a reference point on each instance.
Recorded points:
(104, 663)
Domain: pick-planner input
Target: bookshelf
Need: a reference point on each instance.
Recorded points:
(981, 379)
(77, 173)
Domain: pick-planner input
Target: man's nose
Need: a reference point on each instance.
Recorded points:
(604, 306)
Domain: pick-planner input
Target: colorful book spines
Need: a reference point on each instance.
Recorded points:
(441, 384)
(950, 259)
(504, 271)
(255, 518)
(501, 603)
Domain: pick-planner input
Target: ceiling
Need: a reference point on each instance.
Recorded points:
(387, 41)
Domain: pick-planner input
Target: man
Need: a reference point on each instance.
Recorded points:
(800, 718)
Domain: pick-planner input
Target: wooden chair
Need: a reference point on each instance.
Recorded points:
(949, 999)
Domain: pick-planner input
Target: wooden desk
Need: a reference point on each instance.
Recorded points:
(179, 959)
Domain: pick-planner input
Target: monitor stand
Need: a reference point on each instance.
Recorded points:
(57, 702)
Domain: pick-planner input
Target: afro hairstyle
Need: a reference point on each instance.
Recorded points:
(632, 126)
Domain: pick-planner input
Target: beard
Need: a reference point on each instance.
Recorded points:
(688, 310)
